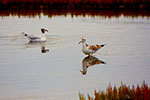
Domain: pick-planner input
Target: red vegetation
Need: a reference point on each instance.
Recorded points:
(96, 4)
(74, 12)
(105, 8)
(122, 93)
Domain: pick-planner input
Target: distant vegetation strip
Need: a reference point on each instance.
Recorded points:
(123, 92)
(74, 13)
(80, 4)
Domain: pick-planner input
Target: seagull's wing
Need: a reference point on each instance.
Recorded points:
(92, 47)
(95, 47)
(34, 38)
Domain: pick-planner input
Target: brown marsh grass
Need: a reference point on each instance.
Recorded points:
(123, 92)
(74, 13)
(90, 4)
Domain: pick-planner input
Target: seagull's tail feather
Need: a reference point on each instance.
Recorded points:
(102, 45)
(103, 62)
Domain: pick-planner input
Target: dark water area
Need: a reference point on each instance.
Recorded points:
(75, 12)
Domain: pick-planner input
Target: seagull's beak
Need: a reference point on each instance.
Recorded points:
(46, 30)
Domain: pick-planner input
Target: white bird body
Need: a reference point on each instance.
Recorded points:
(36, 38)
(86, 49)
(89, 49)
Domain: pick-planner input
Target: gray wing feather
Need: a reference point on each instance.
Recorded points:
(33, 38)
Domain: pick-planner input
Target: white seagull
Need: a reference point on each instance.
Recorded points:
(39, 38)
(89, 49)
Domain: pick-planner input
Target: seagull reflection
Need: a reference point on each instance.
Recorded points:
(42, 44)
(89, 61)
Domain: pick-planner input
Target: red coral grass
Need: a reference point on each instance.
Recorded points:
(123, 93)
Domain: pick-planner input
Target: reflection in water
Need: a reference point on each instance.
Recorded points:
(90, 61)
(42, 44)
(74, 12)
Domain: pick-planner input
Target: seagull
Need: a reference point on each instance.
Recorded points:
(90, 61)
(39, 38)
(89, 49)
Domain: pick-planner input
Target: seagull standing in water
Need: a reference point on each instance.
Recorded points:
(89, 49)
(39, 38)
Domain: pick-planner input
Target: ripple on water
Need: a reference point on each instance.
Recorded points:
(19, 41)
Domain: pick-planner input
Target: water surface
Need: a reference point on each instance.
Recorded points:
(28, 74)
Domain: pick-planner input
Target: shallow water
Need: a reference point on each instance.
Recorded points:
(28, 74)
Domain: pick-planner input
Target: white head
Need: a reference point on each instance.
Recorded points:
(43, 30)
(82, 40)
